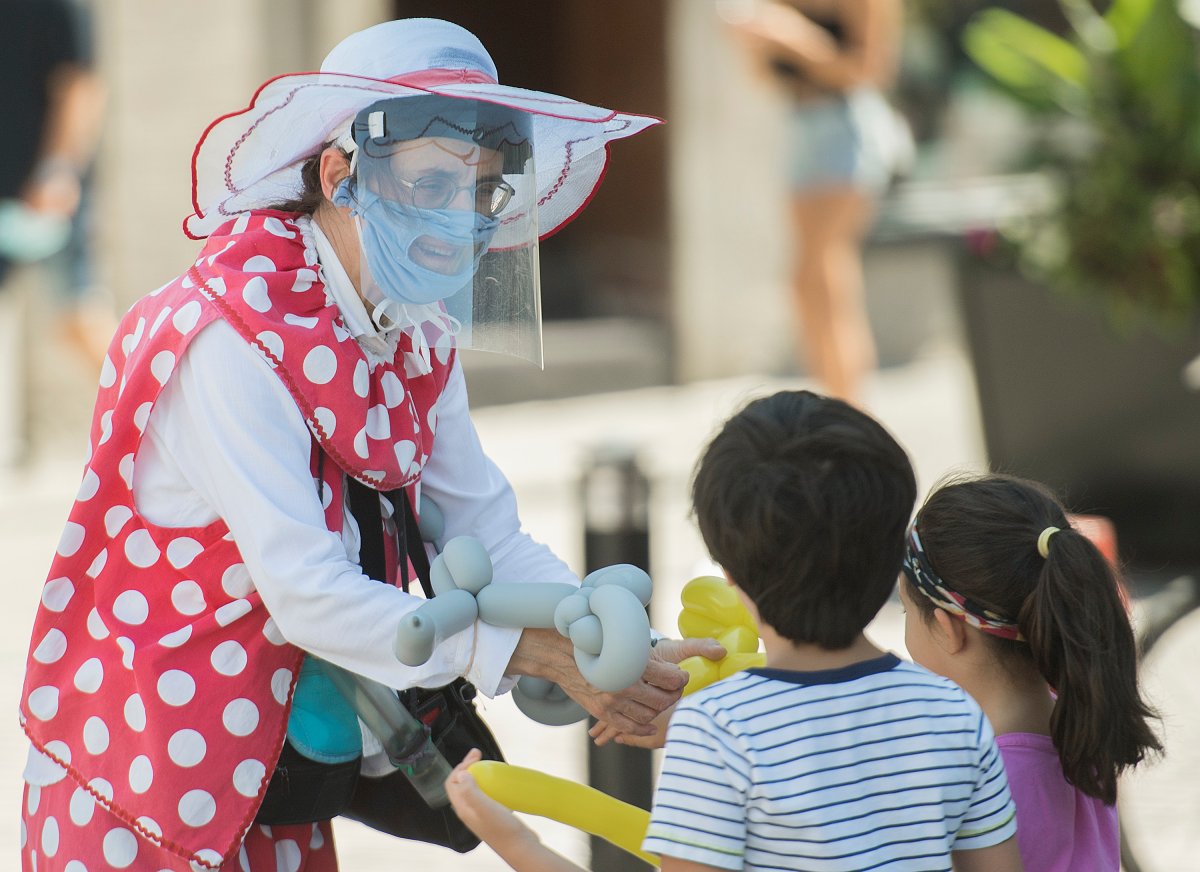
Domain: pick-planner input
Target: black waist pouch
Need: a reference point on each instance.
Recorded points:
(303, 791)
(392, 805)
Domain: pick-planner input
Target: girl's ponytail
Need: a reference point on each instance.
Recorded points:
(990, 541)
(1080, 639)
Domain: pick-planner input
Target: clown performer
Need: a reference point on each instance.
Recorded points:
(362, 223)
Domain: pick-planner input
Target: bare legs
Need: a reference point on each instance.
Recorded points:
(828, 290)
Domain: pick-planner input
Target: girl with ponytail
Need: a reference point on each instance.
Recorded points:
(1005, 598)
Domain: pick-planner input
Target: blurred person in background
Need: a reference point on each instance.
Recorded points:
(266, 417)
(833, 58)
(53, 103)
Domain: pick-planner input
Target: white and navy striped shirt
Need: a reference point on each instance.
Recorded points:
(881, 765)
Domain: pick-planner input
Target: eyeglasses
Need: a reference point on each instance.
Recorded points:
(436, 192)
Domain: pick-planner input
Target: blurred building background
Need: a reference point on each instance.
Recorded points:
(676, 271)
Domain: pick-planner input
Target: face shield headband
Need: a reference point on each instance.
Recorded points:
(919, 572)
(435, 183)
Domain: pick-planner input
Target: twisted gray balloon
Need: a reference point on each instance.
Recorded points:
(605, 619)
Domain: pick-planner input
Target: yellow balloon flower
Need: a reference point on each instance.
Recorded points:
(711, 608)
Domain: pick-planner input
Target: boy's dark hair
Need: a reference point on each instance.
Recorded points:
(981, 538)
(804, 501)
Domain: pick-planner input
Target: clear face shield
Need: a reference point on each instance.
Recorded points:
(445, 196)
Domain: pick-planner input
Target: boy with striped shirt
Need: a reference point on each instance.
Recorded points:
(835, 756)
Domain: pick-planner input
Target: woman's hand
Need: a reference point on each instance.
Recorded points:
(547, 654)
(666, 652)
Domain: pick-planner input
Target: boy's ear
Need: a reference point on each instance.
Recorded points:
(952, 633)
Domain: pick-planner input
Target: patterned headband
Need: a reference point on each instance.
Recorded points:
(923, 578)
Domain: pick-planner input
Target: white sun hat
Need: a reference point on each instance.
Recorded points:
(251, 159)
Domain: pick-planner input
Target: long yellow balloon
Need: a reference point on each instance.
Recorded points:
(571, 803)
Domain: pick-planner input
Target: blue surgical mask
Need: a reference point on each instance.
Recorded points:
(389, 229)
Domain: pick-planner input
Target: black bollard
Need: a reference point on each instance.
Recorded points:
(616, 520)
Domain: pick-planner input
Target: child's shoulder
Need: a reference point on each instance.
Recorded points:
(914, 674)
(876, 675)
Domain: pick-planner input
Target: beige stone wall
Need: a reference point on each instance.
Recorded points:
(731, 248)
(171, 68)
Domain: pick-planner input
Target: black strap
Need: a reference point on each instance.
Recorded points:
(364, 505)
(411, 541)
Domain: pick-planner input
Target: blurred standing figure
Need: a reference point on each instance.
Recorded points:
(52, 103)
(834, 57)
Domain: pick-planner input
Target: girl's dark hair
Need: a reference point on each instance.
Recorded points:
(980, 537)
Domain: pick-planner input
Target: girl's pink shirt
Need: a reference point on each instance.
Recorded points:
(1059, 828)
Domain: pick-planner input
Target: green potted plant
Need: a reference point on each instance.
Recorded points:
(1124, 153)
(1081, 314)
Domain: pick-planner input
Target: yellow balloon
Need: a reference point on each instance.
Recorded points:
(711, 608)
(714, 598)
(693, 625)
(701, 672)
(738, 660)
(739, 640)
(568, 802)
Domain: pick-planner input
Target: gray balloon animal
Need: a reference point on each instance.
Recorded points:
(605, 619)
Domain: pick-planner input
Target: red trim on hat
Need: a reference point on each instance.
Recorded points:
(431, 78)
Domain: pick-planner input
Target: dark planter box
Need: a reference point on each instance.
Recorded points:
(1106, 420)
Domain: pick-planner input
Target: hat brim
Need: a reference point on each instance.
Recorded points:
(250, 159)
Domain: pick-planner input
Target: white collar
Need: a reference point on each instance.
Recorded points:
(341, 290)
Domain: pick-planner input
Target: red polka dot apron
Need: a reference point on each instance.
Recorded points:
(156, 677)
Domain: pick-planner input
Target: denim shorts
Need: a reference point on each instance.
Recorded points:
(853, 139)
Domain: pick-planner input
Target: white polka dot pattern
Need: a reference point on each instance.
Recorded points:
(188, 598)
(72, 538)
(240, 717)
(95, 736)
(57, 593)
(256, 296)
(52, 647)
(120, 848)
(176, 687)
(155, 668)
(186, 748)
(83, 806)
(182, 551)
(197, 807)
(248, 777)
(229, 658)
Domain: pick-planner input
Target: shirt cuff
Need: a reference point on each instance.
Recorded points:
(494, 647)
